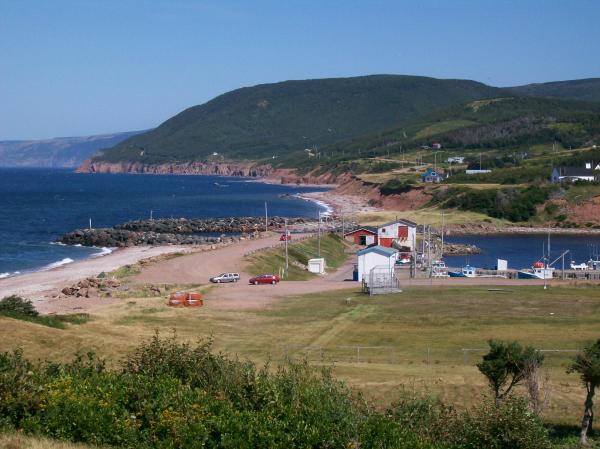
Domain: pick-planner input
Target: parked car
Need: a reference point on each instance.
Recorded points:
(225, 277)
(265, 279)
(285, 237)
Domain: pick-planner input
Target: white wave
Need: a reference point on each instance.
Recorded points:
(77, 244)
(60, 263)
(103, 252)
(58, 243)
(7, 274)
(326, 211)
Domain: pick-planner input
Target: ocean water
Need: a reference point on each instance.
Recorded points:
(521, 251)
(39, 205)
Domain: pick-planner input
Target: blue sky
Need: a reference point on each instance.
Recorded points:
(84, 67)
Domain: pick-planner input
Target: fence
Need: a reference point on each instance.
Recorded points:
(397, 355)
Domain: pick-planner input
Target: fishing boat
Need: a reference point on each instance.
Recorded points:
(439, 269)
(538, 271)
(466, 272)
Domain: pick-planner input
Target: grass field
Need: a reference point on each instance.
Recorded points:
(16, 441)
(430, 215)
(333, 249)
(384, 346)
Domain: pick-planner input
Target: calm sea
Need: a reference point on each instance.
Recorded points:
(38, 205)
(521, 251)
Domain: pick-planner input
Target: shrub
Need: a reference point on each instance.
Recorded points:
(394, 187)
(15, 305)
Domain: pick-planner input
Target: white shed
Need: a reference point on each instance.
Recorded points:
(375, 256)
(316, 265)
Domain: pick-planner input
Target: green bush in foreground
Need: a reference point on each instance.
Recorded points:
(23, 309)
(171, 395)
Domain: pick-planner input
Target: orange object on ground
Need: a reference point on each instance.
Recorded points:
(185, 299)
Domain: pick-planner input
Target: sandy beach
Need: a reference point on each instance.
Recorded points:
(41, 285)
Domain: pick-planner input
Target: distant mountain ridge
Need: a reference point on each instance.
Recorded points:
(59, 152)
(587, 89)
(269, 120)
(281, 119)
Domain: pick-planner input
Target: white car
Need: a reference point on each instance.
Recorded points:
(225, 277)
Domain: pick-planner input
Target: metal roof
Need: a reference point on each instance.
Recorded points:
(382, 250)
(371, 229)
(412, 224)
(576, 171)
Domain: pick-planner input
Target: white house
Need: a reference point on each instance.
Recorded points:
(456, 160)
(572, 174)
(401, 232)
(375, 256)
(477, 172)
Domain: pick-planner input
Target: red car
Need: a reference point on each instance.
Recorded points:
(265, 279)
(284, 237)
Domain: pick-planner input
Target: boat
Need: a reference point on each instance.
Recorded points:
(439, 269)
(466, 272)
(538, 271)
(579, 266)
(403, 259)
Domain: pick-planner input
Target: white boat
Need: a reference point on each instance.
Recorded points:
(579, 266)
(537, 271)
(466, 272)
(439, 269)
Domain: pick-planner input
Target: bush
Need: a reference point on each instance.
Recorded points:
(173, 395)
(394, 187)
(15, 305)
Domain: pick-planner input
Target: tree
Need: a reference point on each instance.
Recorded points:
(505, 365)
(587, 365)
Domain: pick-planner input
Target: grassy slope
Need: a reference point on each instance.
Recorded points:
(257, 122)
(333, 249)
(423, 330)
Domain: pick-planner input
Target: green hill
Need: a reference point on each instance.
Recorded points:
(500, 122)
(276, 119)
(584, 89)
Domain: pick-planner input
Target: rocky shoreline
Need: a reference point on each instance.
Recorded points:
(180, 231)
(481, 229)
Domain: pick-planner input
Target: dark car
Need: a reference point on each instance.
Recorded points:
(265, 279)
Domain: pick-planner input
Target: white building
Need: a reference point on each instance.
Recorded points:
(477, 172)
(398, 233)
(572, 174)
(375, 256)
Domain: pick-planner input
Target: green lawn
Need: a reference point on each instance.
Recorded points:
(333, 249)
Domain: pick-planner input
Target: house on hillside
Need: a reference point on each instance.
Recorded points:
(573, 174)
(364, 236)
(401, 234)
(432, 175)
(456, 160)
(375, 258)
(436, 146)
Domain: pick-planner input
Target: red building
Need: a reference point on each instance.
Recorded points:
(364, 236)
(403, 232)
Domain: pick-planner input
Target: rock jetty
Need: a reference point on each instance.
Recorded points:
(179, 231)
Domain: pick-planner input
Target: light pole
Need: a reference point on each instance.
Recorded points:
(286, 248)
(319, 236)
(266, 218)
(435, 160)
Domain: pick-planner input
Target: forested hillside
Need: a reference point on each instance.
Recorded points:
(276, 119)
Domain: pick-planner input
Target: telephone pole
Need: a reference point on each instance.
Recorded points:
(266, 218)
(319, 236)
(286, 248)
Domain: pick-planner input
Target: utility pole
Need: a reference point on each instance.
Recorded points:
(479, 161)
(286, 248)
(90, 223)
(266, 218)
(442, 252)
(319, 236)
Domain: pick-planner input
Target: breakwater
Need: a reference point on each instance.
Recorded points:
(181, 231)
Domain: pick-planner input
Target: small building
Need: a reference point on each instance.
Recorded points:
(432, 175)
(573, 174)
(375, 257)
(398, 233)
(364, 236)
(436, 145)
(456, 160)
(316, 265)
(477, 172)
